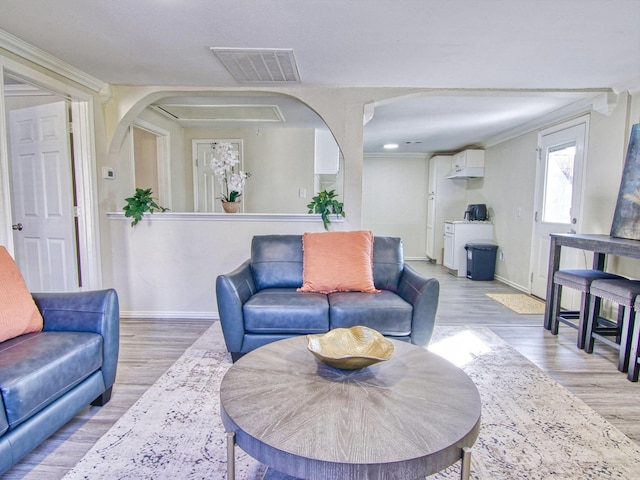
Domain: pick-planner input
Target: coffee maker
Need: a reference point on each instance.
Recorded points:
(476, 212)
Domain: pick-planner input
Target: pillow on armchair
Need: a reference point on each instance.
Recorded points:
(18, 312)
(338, 262)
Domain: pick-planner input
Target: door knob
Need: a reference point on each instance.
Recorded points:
(17, 226)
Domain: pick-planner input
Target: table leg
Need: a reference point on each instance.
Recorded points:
(554, 265)
(598, 261)
(231, 457)
(465, 470)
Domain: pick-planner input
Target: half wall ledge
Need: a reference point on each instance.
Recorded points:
(233, 217)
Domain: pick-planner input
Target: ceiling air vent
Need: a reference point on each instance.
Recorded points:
(259, 65)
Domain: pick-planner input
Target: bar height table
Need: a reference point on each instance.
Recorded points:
(600, 245)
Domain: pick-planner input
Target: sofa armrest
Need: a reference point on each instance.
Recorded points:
(92, 311)
(422, 293)
(232, 291)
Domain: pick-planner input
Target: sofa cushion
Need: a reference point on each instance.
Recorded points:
(38, 368)
(388, 262)
(283, 310)
(385, 312)
(18, 312)
(338, 262)
(276, 261)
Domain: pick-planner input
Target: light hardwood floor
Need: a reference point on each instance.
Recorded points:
(150, 347)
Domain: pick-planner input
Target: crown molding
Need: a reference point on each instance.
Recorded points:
(424, 155)
(24, 90)
(632, 86)
(33, 54)
(580, 107)
(635, 90)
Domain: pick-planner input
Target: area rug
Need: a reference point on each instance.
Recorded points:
(519, 303)
(532, 428)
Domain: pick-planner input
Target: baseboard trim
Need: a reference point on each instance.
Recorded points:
(170, 315)
(512, 284)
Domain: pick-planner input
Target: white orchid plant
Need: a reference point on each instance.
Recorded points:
(224, 163)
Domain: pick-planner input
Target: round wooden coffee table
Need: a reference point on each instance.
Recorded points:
(409, 417)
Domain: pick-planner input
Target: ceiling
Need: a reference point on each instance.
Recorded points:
(490, 66)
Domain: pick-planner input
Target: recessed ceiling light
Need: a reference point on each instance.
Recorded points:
(390, 146)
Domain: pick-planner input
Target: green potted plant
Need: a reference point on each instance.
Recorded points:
(141, 202)
(325, 203)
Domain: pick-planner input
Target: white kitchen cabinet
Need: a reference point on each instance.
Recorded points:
(468, 158)
(327, 154)
(467, 164)
(456, 235)
(445, 201)
(448, 260)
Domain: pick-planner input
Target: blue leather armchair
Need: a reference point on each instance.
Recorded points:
(258, 302)
(46, 378)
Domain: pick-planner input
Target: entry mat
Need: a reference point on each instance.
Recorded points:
(519, 303)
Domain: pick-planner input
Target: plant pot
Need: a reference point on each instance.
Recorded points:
(231, 207)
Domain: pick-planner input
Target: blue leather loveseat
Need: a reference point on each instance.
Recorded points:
(47, 377)
(259, 303)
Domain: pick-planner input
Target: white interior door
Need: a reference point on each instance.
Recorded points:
(558, 197)
(205, 184)
(42, 197)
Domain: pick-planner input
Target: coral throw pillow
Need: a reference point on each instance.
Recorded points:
(18, 312)
(337, 262)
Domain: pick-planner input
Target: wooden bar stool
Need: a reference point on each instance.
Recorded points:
(578, 280)
(615, 334)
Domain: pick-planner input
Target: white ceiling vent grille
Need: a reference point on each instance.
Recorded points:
(259, 65)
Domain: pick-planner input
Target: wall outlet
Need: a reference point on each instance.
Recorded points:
(501, 256)
(302, 192)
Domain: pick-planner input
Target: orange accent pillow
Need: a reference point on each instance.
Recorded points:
(18, 312)
(337, 262)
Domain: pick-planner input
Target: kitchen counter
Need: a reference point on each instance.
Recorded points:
(457, 233)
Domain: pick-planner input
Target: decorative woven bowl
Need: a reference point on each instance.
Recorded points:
(350, 348)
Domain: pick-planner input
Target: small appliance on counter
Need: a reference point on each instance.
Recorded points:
(476, 212)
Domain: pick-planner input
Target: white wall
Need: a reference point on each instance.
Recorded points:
(167, 265)
(280, 161)
(394, 200)
(509, 185)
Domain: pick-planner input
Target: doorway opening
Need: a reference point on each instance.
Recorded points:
(48, 191)
(152, 167)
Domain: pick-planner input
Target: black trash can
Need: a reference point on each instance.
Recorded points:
(481, 260)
